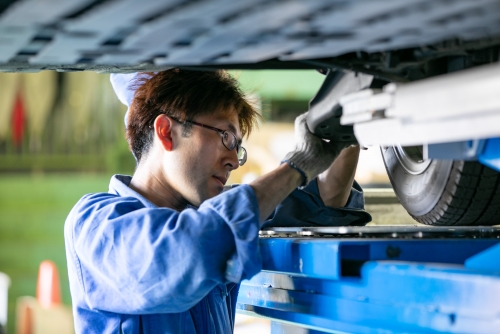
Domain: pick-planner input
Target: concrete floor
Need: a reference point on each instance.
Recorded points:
(385, 208)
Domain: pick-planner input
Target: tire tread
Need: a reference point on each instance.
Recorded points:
(471, 197)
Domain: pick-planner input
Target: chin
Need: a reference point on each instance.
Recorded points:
(202, 199)
(214, 193)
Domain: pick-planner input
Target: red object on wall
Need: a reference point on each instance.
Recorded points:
(18, 121)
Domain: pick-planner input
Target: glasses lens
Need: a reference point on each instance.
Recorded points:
(229, 140)
(242, 156)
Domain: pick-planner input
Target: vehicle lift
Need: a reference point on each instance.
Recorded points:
(377, 279)
(385, 279)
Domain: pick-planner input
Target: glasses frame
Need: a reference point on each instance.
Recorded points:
(242, 160)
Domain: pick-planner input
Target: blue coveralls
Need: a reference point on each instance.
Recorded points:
(137, 268)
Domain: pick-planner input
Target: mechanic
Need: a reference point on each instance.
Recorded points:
(164, 250)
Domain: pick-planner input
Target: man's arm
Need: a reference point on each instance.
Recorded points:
(311, 157)
(125, 257)
(272, 188)
(335, 183)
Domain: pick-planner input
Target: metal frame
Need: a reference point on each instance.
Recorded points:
(325, 110)
(449, 108)
(411, 280)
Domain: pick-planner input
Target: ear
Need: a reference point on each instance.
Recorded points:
(163, 130)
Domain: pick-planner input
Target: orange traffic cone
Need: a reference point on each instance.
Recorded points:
(48, 290)
(45, 313)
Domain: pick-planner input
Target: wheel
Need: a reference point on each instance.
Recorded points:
(443, 192)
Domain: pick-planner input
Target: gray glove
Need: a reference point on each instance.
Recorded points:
(312, 155)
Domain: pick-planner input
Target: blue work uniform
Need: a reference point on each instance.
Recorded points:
(138, 268)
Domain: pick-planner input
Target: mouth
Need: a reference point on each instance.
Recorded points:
(221, 179)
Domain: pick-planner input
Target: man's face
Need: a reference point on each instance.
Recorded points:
(201, 163)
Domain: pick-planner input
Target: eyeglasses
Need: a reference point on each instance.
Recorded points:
(228, 140)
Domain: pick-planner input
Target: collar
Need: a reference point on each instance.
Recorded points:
(120, 185)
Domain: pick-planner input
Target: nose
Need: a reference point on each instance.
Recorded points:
(231, 159)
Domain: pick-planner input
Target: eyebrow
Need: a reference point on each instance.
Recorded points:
(233, 130)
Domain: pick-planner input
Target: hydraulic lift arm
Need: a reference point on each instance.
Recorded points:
(373, 279)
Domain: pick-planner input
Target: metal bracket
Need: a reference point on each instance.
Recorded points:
(454, 107)
(462, 150)
(491, 154)
(325, 110)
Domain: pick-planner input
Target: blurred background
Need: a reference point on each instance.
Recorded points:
(62, 136)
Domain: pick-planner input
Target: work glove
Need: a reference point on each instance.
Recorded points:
(312, 155)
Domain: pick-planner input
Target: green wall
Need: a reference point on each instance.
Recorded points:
(280, 84)
(33, 209)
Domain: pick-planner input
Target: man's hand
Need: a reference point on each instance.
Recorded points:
(312, 154)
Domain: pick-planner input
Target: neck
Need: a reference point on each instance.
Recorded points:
(150, 181)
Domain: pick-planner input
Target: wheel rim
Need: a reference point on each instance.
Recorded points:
(412, 159)
(418, 184)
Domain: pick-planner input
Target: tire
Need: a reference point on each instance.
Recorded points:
(443, 192)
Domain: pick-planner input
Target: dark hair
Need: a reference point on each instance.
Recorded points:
(183, 94)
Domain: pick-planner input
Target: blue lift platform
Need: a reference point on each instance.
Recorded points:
(377, 280)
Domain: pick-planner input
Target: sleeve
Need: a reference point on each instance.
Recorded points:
(131, 259)
(305, 208)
